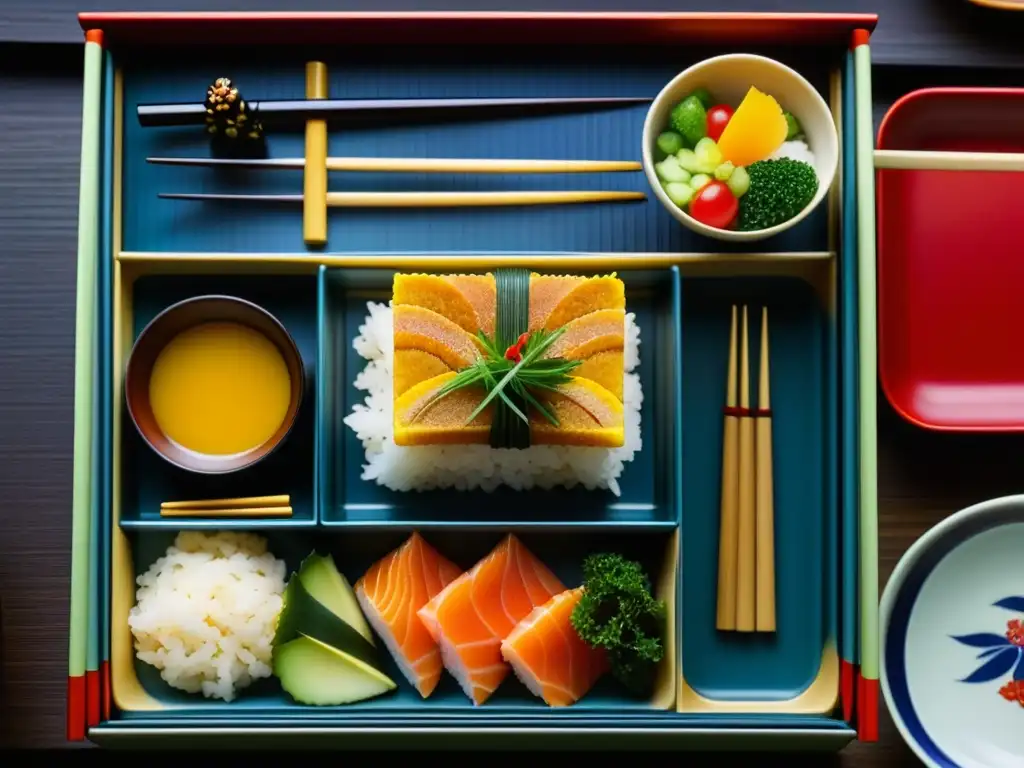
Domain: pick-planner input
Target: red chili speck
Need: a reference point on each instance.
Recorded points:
(1015, 632)
(515, 352)
(1013, 691)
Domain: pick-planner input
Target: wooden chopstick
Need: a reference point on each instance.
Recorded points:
(425, 199)
(728, 542)
(746, 552)
(764, 502)
(918, 160)
(274, 511)
(282, 500)
(460, 165)
(471, 199)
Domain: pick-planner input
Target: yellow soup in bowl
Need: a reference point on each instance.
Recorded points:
(214, 384)
(220, 388)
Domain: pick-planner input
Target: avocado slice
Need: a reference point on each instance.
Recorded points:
(303, 614)
(326, 584)
(316, 674)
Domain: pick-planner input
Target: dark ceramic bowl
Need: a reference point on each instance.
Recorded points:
(168, 324)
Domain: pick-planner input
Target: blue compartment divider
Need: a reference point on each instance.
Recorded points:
(850, 509)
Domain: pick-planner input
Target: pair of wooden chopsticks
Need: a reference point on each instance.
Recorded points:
(746, 561)
(425, 165)
(252, 506)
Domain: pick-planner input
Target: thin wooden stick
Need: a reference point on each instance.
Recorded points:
(427, 199)
(746, 554)
(728, 542)
(233, 512)
(918, 160)
(473, 199)
(765, 503)
(237, 503)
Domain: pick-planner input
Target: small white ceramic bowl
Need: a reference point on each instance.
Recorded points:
(729, 77)
(952, 639)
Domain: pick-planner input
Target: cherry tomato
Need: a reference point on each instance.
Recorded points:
(715, 205)
(718, 118)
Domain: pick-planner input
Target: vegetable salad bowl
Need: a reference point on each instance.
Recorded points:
(730, 78)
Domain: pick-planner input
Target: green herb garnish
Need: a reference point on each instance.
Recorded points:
(520, 371)
(618, 613)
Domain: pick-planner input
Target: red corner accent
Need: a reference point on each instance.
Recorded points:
(860, 37)
(93, 697)
(94, 36)
(76, 709)
(105, 687)
(847, 676)
(867, 709)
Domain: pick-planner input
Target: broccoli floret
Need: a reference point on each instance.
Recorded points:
(779, 190)
(617, 612)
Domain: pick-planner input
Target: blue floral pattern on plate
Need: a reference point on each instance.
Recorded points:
(1003, 654)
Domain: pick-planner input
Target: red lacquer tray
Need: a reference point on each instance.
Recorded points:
(951, 264)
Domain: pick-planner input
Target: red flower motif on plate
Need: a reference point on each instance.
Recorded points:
(1015, 632)
(1013, 691)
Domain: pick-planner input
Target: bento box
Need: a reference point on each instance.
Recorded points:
(385, 550)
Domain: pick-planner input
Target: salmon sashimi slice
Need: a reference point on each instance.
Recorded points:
(472, 615)
(392, 591)
(549, 657)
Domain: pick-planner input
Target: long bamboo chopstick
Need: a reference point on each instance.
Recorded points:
(281, 500)
(728, 543)
(746, 552)
(764, 495)
(431, 199)
(85, 344)
(919, 160)
(413, 164)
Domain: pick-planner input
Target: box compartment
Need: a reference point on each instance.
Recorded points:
(140, 692)
(649, 483)
(147, 479)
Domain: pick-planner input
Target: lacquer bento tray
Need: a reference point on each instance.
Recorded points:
(811, 683)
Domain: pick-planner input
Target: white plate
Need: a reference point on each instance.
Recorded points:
(952, 639)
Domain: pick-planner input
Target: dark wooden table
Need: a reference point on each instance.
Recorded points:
(923, 476)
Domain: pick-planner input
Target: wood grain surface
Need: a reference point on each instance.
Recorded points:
(923, 476)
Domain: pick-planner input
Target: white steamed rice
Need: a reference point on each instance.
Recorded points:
(465, 467)
(206, 612)
(796, 150)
